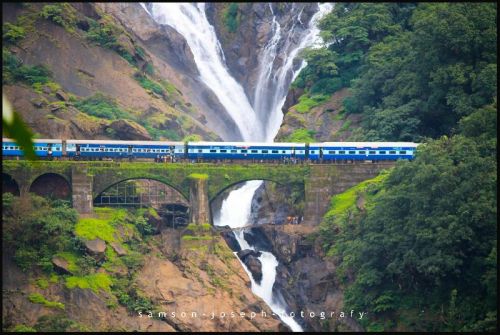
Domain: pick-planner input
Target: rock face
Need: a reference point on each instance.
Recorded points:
(120, 251)
(305, 278)
(243, 47)
(250, 258)
(129, 130)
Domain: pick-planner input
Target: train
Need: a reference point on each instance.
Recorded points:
(210, 151)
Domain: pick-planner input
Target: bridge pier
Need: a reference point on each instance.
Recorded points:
(198, 201)
(324, 181)
(81, 184)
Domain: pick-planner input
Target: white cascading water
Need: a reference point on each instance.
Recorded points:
(235, 213)
(191, 22)
(273, 84)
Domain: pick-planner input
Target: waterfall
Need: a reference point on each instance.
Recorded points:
(191, 22)
(273, 84)
(235, 213)
(257, 122)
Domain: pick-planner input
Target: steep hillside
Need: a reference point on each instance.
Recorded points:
(95, 71)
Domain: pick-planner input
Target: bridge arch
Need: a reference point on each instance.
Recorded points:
(53, 185)
(103, 189)
(10, 185)
(225, 187)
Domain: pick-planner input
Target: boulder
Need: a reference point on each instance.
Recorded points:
(252, 262)
(62, 96)
(129, 130)
(118, 249)
(230, 239)
(96, 247)
(61, 265)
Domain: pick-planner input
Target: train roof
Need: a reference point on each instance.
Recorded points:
(124, 142)
(246, 144)
(35, 140)
(366, 144)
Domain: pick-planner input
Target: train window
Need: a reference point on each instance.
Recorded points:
(371, 152)
(223, 150)
(283, 151)
(254, 151)
(392, 152)
(243, 151)
(331, 151)
(264, 151)
(234, 151)
(352, 152)
(199, 150)
(274, 151)
(101, 149)
(341, 152)
(403, 152)
(312, 151)
(362, 152)
(382, 152)
(213, 150)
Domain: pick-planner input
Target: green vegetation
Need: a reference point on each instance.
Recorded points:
(301, 135)
(14, 71)
(62, 14)
(427, 240)
(57, 323)
(42, 283)
(95, 282)
(192, 138)
(306, 103)
(149, 84)
(23, 329)
(414, 69)
(90, 228)
(198, 176)
(106, 34)
(37, 298)
(102, 106)
(37, 230)
(231, 17)
(12, 33)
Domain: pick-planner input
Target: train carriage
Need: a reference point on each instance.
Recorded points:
(245, 150)
(42, 147)
(362, 150)
(124, 149)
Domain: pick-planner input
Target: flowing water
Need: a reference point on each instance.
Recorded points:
(259, 121)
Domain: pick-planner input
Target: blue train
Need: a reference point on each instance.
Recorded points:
(326, 151)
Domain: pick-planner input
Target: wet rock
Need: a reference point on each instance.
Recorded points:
(129, 130)
(96, 247)
(258, 239)
(39, 103)
(250, 258)
(118, 249)
(231, 241)
(62, 96)
(61, 265)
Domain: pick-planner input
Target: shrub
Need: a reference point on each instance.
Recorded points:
(306, 103)
(104, 107)
(12, 33)
(149, 84)
(37, 298)
(95, 282)
(231, 17)
(301, 135)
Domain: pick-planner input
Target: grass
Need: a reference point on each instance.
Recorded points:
(198, 176)
(301, 135)
(37, 298)
(95, 282)
(196, 238)
(102, 227)
(306, 103)
(72, 260)
(90, 228)
(42, 283)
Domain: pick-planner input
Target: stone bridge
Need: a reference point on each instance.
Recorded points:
(198, 183)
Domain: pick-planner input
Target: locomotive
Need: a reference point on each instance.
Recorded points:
(209, 151)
